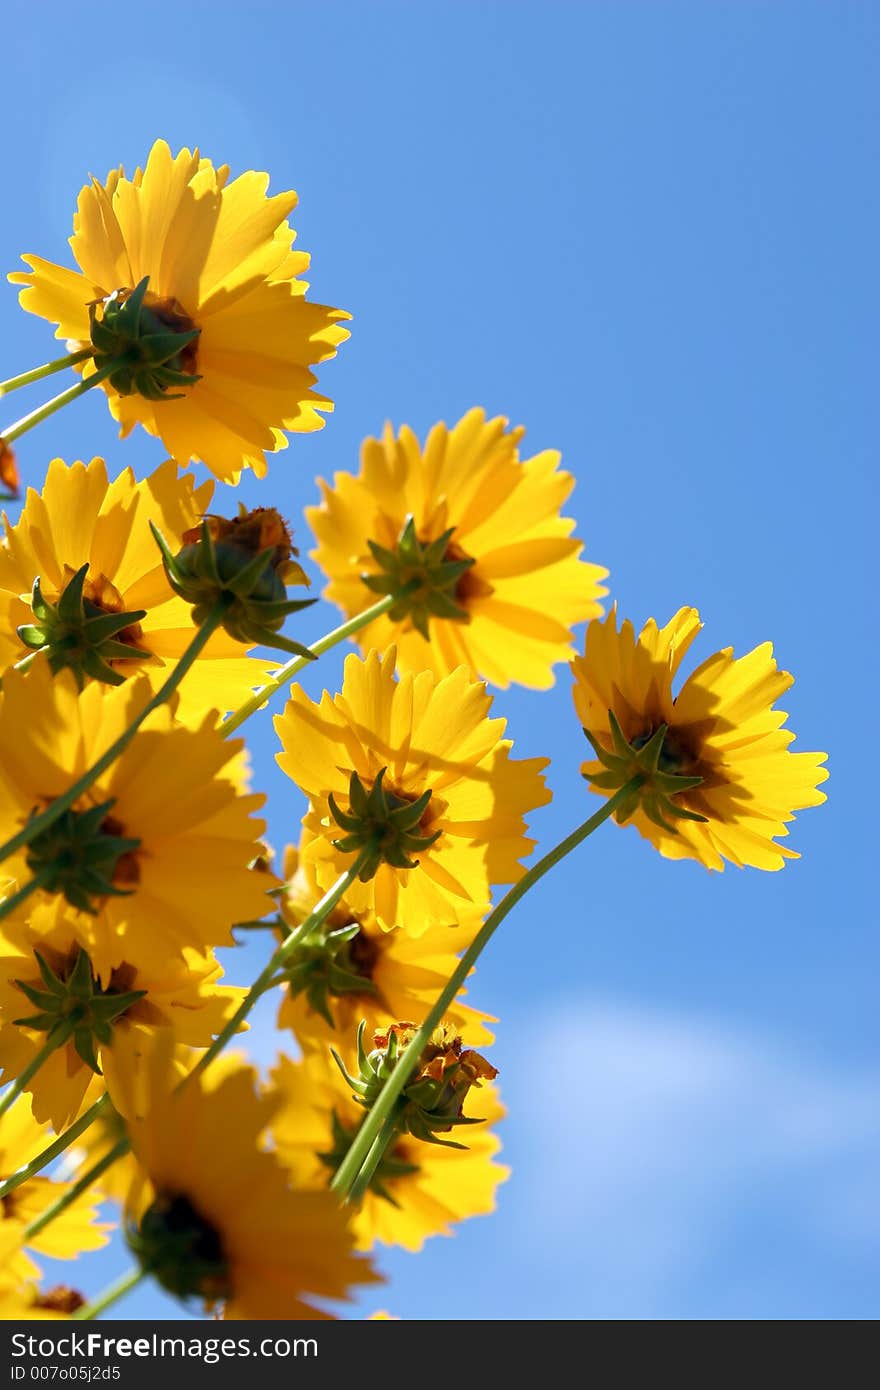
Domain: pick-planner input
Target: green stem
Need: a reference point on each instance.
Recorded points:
(292, 668)
(113, 1292)
(27, 661)
(12, 383)
(75, 1191)
(373, 1158)
(55, 1149)
(42, 412)
(37, 824)
(319, 912)
(9, 905)
(57, 1038)
(347, 1173)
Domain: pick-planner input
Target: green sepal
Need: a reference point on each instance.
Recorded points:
(146, 353)
(648, 762)
(424, 582)
(78, 635)
(382, 824)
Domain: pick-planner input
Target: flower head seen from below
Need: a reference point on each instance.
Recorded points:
(73, 1232)
(420, 1189)
(188, 282)
(47, 983)
(156, 857)
(718, 779)
(82, 578)
(352, 970)
(217, 1220)
(475, 534)
(241, 566)
(413, 776)
(27, 1301)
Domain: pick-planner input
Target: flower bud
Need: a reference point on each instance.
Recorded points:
(433, 1098)
(246, 563)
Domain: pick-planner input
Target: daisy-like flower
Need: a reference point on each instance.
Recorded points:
(27, 1302)
(495, 577)
(718, 779)
(217, 1219)
(155, 857)
(352, 970)
(47, 980)
(415, 774)
(72, 1233)
(190, 279)
(89, 539)
(420, 1189)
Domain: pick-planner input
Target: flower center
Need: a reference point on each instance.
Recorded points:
(148, 340)
(71, 1004)
(59, 1300)
(331, 962)
(658, 767)
(85, 630)
(182, 1249)
(386, 827)
(86, 856)
(429, 578)
(675, 756)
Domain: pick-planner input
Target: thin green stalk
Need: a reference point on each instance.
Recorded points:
(319, 912)
(42, 412)
(347, 1173)
(37, 824)
(9, 905)
(27, 661)
(113, 1292)
(373, 1158)
(57, 1038)
(55, 1149)
(12, 383)
(75, 1191)
(292, 668)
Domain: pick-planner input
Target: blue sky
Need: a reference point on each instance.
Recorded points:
(647, 232)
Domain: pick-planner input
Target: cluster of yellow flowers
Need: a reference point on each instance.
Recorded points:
(132, 846)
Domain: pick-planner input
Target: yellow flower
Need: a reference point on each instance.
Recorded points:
(80, 518)
(28, 1303)
(434, 743)
(68, 1235)
(47, 977)
(722, 782)
(219, 261)
(163, 829)
(374, 975)
(501, 581)
(219, 1220)
(420, 1189)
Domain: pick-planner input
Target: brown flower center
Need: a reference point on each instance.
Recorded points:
(59, 1300)
(469, 586)
(164, 312)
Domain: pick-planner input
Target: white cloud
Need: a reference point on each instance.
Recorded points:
(651, 1138)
